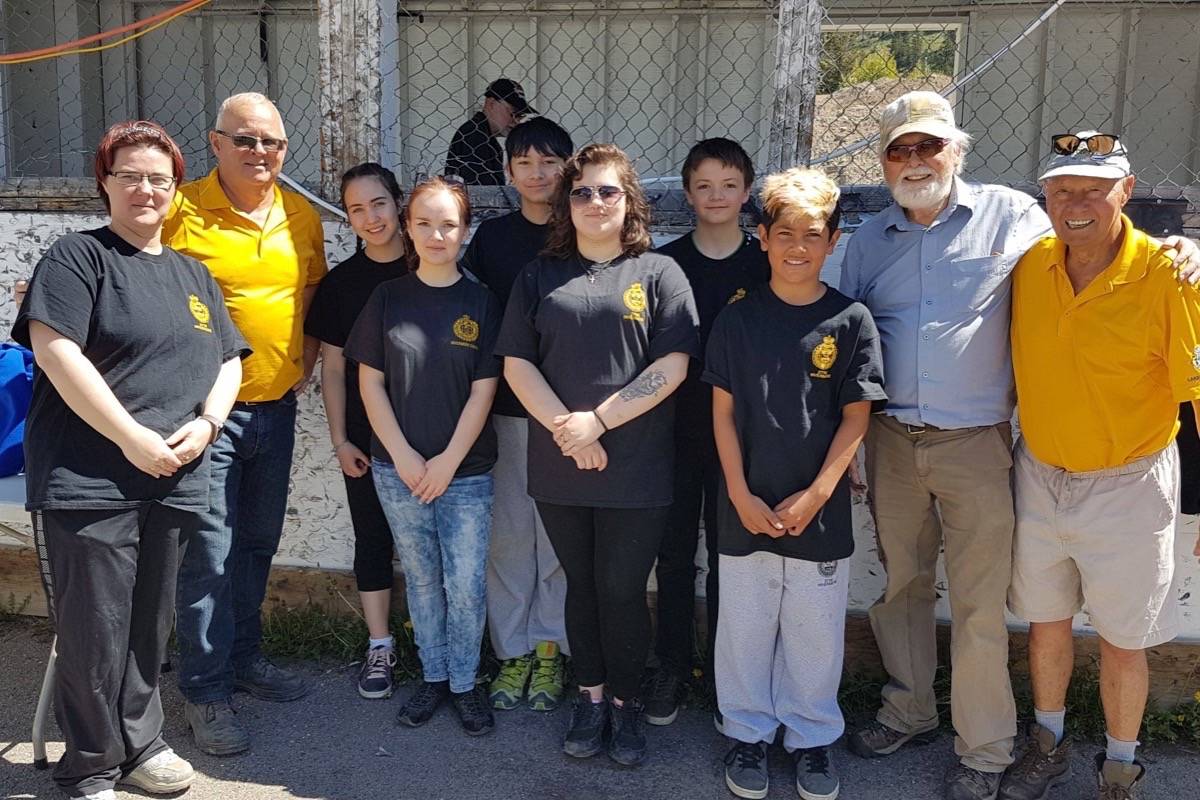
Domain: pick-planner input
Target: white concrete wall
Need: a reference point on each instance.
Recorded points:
(317, 531)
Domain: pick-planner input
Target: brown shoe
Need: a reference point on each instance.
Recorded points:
(1043, 766)
(1118, 780)
(877, 740)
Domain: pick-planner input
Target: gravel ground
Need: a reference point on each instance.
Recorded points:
(334, 745)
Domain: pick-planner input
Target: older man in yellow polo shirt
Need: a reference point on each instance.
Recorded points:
(1105, 345)
(266, 250)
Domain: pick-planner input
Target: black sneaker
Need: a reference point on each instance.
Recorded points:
(375, 678)
(628, 743)
(420, 705)
(662, 697)
(816, 778)
(589, 720)
(746, 770)
(474, 711)
(262, 679)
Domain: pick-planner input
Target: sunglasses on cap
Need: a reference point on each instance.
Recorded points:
(1100, 144)
(609, 195)
(926, 148)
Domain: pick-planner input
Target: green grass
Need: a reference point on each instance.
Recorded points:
(314, 634)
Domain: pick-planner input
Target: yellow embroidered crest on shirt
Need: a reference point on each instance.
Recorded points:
(200, 312)
(466, 331)
(738, 295)
(823, 356)
(635, 301)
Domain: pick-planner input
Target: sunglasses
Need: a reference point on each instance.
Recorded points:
(244, 142)
(135, 179)
(927, 148)
(609, 195)
(1067, 144)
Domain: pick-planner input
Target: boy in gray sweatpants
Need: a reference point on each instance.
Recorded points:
(795, 369)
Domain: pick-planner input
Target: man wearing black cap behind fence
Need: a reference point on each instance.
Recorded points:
(475, 155)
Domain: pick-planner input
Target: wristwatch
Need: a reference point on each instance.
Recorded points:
(217, 426)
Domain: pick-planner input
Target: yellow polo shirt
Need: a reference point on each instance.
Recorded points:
(262, 272)
(1100, 375)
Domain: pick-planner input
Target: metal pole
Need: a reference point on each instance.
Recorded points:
(349, 34)
(797, 71)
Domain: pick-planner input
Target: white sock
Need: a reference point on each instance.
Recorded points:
(1118, 750)
(1053, 721)
(387, 641)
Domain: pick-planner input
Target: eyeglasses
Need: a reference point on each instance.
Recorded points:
(1067, 144)
(244, 142)
(609, 195)
(927, 148)
(136, 178)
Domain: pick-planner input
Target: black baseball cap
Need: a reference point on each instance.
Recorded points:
(510, 92)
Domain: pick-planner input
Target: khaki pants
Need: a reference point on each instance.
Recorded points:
(950, 487)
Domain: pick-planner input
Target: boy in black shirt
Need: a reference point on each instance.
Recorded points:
(526, 587)
(722, 263)
(795, 369)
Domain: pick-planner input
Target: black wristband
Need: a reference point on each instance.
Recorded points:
(599, 419)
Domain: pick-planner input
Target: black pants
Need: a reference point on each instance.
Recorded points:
(110, 582)
(607, 554)
(696, 478)
(373, 570)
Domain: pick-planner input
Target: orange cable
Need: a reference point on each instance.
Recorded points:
(30, 55)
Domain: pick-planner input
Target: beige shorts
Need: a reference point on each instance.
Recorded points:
(1103, 539)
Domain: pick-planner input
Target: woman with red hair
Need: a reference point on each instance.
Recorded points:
(139, 365)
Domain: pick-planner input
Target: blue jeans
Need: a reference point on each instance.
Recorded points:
(223, 576)
(443, 548)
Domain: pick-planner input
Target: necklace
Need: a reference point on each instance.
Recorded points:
(593, 270)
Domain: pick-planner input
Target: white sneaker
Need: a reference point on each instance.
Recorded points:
(103, 794)
(165, 773)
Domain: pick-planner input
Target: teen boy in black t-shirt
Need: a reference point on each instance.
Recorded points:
(526, 587)
(722, 262)
(795, 370)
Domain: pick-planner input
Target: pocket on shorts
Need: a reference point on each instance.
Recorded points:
(1002, 433)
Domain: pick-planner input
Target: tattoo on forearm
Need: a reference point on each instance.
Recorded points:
(646, 385)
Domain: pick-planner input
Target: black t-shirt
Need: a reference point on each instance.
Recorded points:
(339, 299)
(431, 343)
(475, 155)
(156, 329)
(499, 250)
(791, 370)
(716, 283)
(590, 334)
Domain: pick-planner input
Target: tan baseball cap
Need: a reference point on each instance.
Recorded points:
(920, 112)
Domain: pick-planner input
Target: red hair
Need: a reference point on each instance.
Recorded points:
(435, 184)
(135, 133)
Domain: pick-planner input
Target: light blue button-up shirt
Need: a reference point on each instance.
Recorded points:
(941, 299)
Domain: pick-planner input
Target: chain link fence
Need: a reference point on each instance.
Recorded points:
(653, 77)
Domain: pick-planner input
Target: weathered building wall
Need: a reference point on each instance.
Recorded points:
(317, 531)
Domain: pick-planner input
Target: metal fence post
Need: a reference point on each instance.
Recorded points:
(349, 35)
(797, 71)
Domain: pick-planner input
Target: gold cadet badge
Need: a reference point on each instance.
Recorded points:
(200, 312)
(823, 356)
(466, 330)
(635, 301)
(740, 294)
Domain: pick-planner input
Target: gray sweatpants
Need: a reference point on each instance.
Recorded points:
(526, 586)
(780, 640)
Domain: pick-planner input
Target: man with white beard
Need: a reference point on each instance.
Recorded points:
(934, 269)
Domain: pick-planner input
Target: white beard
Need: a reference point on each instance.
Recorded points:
(919, 197)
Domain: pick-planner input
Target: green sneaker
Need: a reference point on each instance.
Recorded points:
(508, 687)
(546, 685)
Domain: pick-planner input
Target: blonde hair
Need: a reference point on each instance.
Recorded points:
(800, 191)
